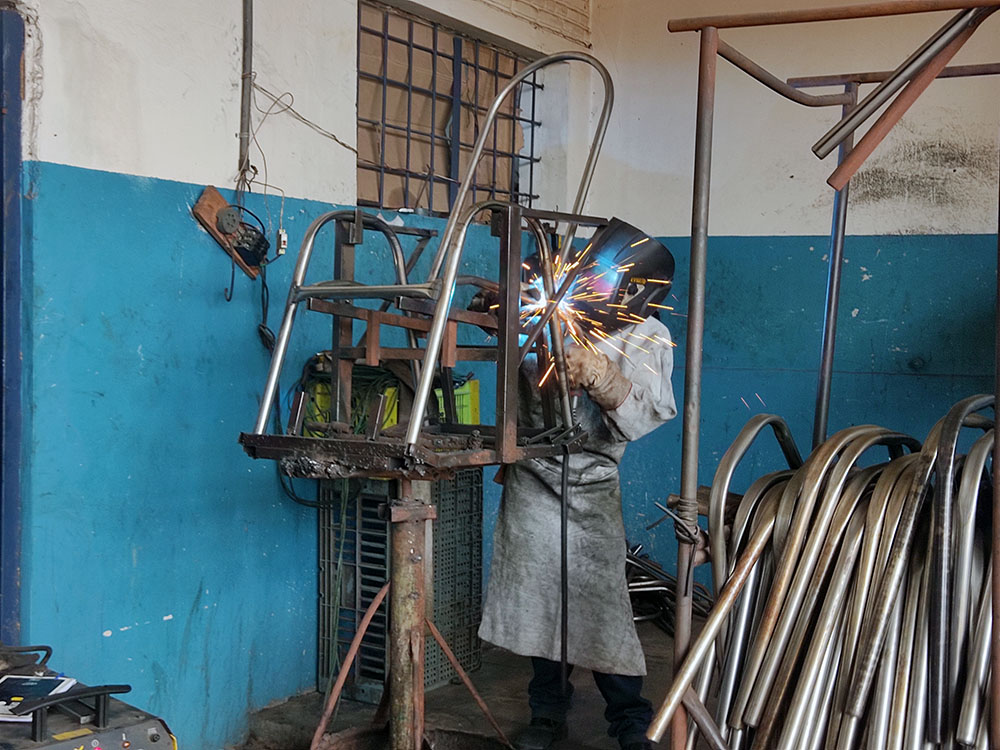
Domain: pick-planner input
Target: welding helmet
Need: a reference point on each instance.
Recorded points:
(626, 275)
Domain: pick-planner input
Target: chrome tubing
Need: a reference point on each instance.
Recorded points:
(853, 496)
(448, 253)
(966, 505)
(291, 305)
(977, 668)
(702, 644)
(899, 78)
(813, 472)
(941, 565)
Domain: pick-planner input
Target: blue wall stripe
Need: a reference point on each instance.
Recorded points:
(157, 553)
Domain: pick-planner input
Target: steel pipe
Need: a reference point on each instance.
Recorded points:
(811, 477)
(707, 67)
(824, 634)
(838, 234)
(448, 255)
(755, 71)
(687, 670)
(810, 15)
(977, 668)
(849, 166)
(900, 77)
(941, 564)
(292, 304)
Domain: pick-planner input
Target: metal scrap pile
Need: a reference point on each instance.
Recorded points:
(653, 592)
(855, 606)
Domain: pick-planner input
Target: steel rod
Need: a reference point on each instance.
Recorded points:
(707, 67)
(837, 236)
(451, 253)
(345, 669)
(884, 91)
(895, 111)
(995, 546)
(687, 670)
(834, 13)
(842, 79)
(457, 666)
(752, 69)
(246, 87)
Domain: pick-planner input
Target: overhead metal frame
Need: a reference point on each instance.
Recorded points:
(929, 58)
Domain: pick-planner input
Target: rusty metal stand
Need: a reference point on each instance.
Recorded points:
(407, 602)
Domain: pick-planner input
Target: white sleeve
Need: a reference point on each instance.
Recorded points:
(650, 402)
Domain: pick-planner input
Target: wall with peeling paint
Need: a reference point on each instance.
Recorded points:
(936, 173)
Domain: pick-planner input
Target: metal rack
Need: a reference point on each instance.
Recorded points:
(907, 82)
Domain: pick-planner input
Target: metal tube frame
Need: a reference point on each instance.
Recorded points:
(710, 48)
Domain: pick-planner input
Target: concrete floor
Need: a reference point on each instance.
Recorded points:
(502, 681)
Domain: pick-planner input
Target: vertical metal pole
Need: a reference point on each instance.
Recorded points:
(688, 507)
(246, 85)
(408, 532)
(995, 653)
(508, 327)
(11, 375)
(833, 288)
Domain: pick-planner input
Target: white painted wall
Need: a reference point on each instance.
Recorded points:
(937, 173)
(153, 89)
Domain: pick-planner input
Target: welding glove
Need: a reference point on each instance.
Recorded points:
(598, 375)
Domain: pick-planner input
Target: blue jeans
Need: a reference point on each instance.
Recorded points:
(628, 713)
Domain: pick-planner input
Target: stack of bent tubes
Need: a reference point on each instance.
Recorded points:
(853, 605)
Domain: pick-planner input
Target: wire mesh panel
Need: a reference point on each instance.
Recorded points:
(354, 564)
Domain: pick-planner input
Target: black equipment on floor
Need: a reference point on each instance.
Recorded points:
(82, 718)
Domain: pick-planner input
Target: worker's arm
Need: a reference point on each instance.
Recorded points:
(635, 396)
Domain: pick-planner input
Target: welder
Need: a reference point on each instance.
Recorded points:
(623, 375)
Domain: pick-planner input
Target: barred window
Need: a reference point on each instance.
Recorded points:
(423, 94)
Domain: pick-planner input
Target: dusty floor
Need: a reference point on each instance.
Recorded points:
(501, 681)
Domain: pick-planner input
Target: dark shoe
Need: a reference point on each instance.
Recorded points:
(541, 734)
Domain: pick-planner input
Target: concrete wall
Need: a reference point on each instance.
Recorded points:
(155, 553)
(935, 174)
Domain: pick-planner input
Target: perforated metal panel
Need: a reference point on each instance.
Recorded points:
(364, 563)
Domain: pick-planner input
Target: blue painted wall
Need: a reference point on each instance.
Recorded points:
(157, 553)
(915, 336)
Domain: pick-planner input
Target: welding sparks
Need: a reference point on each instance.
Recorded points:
(760, 399)
(744, 402)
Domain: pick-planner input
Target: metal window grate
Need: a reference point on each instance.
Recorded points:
(420, 84)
